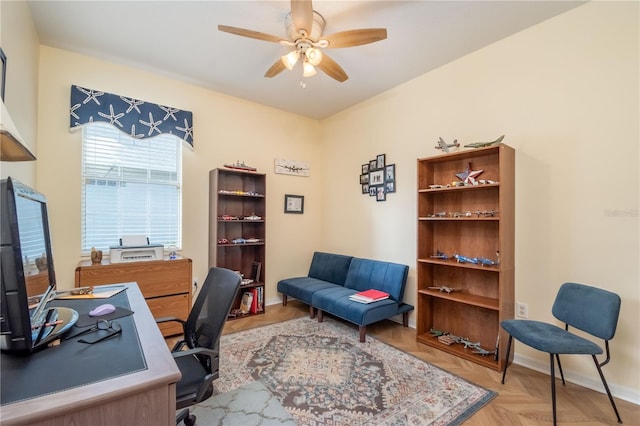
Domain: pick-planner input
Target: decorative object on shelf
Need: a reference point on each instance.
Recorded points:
(445, 289)
(445, 146)
(291, 167)
(377, 179)
(256, 269)
(294, 203)
(468, 176)
(484, 144)
(96, 255)
(240, 166)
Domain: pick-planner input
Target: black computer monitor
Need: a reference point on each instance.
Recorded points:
(28, 277)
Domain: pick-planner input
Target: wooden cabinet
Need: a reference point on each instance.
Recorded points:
(477, 222)
(165, 285)
(237, 208)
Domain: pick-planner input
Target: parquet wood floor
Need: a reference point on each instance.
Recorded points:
(523, 400)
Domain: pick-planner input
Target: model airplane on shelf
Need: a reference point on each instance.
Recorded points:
(445, 146)
(445, 289)
(440, 255)
(484, 144)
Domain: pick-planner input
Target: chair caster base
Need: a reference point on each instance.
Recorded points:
(190, 421)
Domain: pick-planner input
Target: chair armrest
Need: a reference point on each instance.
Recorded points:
(168, 319)
(205, 351)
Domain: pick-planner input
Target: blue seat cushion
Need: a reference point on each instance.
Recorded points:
(336, 302)
(549, 338)
(303, 288)
(329, 267)
(365, 274)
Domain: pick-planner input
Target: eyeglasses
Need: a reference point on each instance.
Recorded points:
(112, 328)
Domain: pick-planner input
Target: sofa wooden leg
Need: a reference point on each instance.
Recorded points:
(312, 312)
(320, 317)
(284, 300)
(363, 333)
(405, 319)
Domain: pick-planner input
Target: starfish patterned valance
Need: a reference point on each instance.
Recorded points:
(139, 119)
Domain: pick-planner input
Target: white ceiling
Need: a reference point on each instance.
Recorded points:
(179, 39)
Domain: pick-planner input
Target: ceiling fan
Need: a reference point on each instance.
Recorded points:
(304, 27)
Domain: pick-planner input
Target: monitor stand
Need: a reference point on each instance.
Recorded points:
(55, 322)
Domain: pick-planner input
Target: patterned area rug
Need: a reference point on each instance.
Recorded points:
(322, 375)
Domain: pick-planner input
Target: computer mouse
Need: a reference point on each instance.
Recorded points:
(101, 310)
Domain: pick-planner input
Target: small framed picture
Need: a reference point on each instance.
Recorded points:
(376, 177)
(390, 173)
(364, 179)
(365, 169)
(365, 188)
(256, 269)
(381, 195)
(380, 161)
(372, 191)
(294, 203)
(390, 187)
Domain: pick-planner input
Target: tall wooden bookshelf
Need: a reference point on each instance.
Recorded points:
(477, 222)
(237, 208)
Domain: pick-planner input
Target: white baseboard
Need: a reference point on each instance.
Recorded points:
(590, 382)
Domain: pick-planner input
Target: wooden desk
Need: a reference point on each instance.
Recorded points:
(142, 398)
(165, 284)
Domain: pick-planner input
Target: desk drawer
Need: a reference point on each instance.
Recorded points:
(170, 306)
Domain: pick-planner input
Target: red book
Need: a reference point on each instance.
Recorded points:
(254, 302)
(369, 296)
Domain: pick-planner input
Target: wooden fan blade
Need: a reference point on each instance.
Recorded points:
(249, 33)
(302, 14)
(332, 69)
(275, 69)
(356, 37)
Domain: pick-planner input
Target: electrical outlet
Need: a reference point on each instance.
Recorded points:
(522, 310)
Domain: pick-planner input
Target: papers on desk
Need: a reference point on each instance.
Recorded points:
(95, 294)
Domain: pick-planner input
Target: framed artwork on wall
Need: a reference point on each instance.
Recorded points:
(294, 203)
(377, 178)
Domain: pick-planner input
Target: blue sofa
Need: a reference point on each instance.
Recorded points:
(332, 278)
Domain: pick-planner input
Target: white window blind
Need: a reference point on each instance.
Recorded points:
(130, 187)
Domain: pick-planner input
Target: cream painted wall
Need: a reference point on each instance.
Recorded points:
(19, 41)
(226, 130)
(566, 94)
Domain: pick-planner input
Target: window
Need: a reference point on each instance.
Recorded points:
(130, 187)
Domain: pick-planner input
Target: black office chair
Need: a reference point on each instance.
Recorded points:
(201, 335)
(592, 310)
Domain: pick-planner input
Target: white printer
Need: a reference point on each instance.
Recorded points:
(135, 248)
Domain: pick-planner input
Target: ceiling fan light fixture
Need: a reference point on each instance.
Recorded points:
(308, 69)
(314, 56)
(290, 59)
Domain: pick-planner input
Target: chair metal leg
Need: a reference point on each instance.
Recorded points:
(606, 387)
(553, 389)
(506, 364)
(560, 368)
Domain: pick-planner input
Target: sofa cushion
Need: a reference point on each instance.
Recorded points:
(384, 276)
(335, 301)
(302, 288)
(330, 267)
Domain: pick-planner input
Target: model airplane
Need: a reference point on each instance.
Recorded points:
(240, 166)
(445, 146)
(440, 255)
(483, 352)
(464, 259)
(445, 289)
(484, 144)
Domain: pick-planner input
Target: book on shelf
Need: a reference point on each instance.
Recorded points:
(245, 304)
(369, 296)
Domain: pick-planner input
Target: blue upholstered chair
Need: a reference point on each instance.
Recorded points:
(592, 310)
